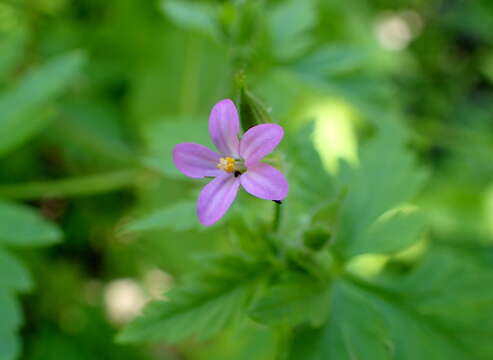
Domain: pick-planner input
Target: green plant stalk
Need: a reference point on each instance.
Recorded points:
(81, 186)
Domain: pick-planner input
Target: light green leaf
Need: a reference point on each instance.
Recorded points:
(386, 178)
(293, 302)
(395, 230)
(178, 217)
(355, 330)
(22, 226)
(192, 15)
(11, 316)
(18, 278)
(217, 298)
(10, 345)
(290, 24)
(23, 109)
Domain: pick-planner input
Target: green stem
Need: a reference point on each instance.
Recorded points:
(283, 335)
(193, 59)
(81, 186)
(277, 217)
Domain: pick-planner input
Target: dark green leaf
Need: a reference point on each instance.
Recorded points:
(217, 298)
(355, 330)
(296, 301)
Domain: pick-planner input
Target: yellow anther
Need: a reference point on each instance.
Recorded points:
(227, 164)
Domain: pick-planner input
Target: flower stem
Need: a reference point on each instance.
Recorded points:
(277, 216)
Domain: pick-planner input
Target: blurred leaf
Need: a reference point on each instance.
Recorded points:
(355, 330)
(200, 16)
(178, 217)
(293, 302)
(11, 320)
(385, 178)
(23, 110)
(393, 231)
(215, 299)
(18, 278)
(162, 135)
(11, 49)
(290, 24)
(330, 60)
(23, 226)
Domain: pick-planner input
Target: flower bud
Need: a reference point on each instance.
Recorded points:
(316, 237)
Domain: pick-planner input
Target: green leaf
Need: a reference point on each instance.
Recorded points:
(192, 15)
(23, 109)
(177, 217)
(213, 300)
(23, 226)
(386, 178)
(290, 24)
(296, 301)
(18, 278)
(395, 230)
(330, 60)
(11, 316)
(310, 177)
(355, 330)
(11, 49)
(163, 134)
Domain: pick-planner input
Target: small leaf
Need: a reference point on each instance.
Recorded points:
(204, 306)
(22, 226)
(296, 301)
(192, 15)
(23, 111)
(177, 217)
(395, 230)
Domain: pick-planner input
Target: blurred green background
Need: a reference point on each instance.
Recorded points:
(94, 94)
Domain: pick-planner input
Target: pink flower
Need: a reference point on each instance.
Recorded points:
(237, 163)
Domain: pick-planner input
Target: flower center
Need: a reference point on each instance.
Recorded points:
(227, 164)
(230, 165)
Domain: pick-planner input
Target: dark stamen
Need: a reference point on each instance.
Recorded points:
(237, 173)
(277, 201)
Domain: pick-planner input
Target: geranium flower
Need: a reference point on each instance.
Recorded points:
(237, 162)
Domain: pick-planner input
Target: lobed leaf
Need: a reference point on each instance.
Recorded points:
(217, 298)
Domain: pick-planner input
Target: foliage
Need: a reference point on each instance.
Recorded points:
(382, 250)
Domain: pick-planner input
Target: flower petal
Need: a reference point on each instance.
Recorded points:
(216, 198)
(259, 141)
(224, 127)
(196, 160)
(265, 182)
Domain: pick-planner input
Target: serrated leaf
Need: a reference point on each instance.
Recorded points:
(395, 230)
(385, 178)
(355, 330)
(23, 111)
(296, 301)
(213, 300)
(310, 177)
(176, 217)
(23, 226)
(18, 278)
